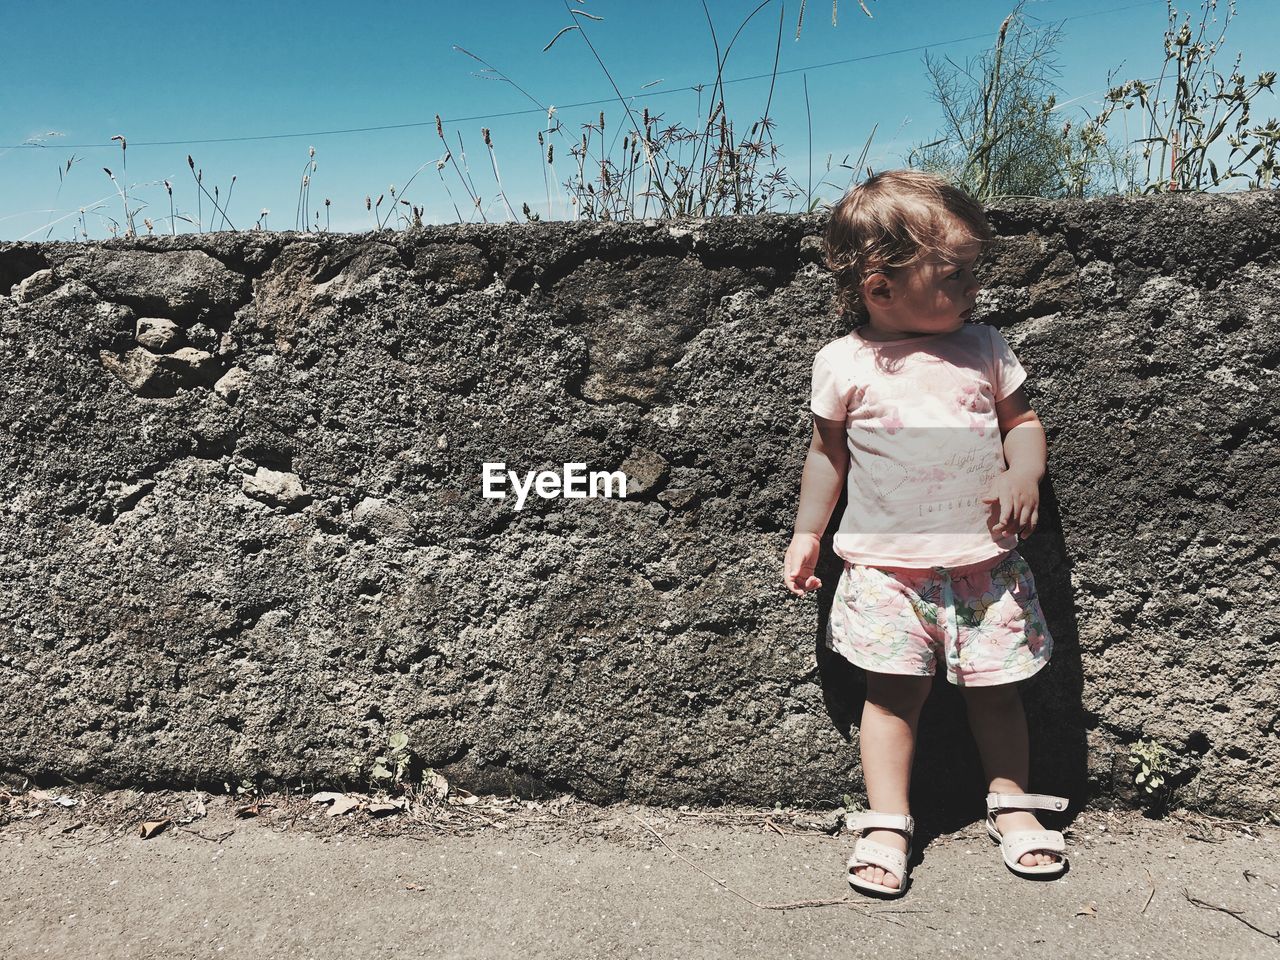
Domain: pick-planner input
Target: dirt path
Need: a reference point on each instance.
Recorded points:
(502, 878)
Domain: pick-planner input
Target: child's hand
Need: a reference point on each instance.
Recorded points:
(799, 563)
(1017, 494)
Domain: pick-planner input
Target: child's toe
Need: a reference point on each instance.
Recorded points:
(1037, 859)
(877, 875)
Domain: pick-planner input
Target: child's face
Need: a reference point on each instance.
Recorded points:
(936, 295)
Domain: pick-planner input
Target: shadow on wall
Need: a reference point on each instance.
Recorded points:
(948, 787)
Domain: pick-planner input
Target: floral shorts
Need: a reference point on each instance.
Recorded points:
(985, 624)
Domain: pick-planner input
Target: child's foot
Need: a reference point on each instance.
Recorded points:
(1023, 820)
(890, 838)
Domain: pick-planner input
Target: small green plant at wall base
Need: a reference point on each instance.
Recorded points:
(1151, 766)
(245, 786)
(389, 768)
(387, 771)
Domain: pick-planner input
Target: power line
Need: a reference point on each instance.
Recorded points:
(565, 106)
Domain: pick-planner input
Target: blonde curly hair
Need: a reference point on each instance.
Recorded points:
(891, 220)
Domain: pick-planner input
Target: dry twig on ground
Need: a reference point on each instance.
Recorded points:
(1229, 912)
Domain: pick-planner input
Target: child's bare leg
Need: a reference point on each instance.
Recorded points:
(1000, 728)
(888, 741)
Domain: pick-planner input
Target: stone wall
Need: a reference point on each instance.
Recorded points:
(244, 535)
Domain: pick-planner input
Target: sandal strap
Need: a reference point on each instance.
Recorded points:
(1017, 843)
(870, 820)
(1025, 801)
(869, 853)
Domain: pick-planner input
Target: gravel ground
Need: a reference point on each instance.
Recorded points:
(277, 876)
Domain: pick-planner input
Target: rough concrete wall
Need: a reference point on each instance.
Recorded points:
(258, 544)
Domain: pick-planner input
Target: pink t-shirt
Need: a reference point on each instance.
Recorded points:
(924, 443)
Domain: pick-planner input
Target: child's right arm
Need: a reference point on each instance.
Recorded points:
(824, 473)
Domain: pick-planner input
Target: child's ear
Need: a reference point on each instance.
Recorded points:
(876, 288)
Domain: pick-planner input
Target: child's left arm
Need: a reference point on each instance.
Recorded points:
(1017, 490)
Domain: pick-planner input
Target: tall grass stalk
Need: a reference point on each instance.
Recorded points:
(124, 199)
(440, 165)
(121, 190)
(227, 205)
(544, 158)
(808, 118)
(301, 215)
(391, 207)
(199, 178)
(493, 159)
(449, 158)
(471, 184)
(63, 171)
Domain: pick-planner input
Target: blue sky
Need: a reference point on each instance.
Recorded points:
(162, 72)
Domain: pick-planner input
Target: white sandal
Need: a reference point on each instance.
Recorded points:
(1016, 843)
(869, 853)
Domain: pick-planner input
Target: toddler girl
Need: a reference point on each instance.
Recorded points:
(923, 411)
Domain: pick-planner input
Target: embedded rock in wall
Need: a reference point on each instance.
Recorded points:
(246, 531)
